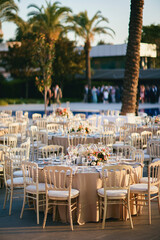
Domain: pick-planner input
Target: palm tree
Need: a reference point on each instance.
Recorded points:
(6, 7)
(49, 20)
(131, 76)
(87, 28)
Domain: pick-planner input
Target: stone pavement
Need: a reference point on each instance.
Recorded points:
(77, 106)
(14, 228)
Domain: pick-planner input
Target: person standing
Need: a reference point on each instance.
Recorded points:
(57, 94)
(94, 94)
(86, 93)
(49, 96)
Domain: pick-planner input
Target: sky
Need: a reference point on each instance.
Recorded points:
(117, 12)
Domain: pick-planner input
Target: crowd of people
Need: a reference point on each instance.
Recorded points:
(113, 94)
(56, 95)
(103, 94)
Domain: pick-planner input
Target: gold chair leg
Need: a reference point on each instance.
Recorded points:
(129, 212)
(104, 212)
(70, 215)
(37, 206)
(5, 199)
(11, 198)
(46, 211)
(24, 202)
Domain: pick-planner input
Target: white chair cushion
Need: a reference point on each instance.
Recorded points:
(144, 180)
(113, 193)
(32, 188)
(142, 187)
(146, 157)
(63, 194)
(16, 181)
(1, 168)
(145, 151)
(19, 173)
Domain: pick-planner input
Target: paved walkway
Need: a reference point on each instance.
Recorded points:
(78, 106)
(12, 227)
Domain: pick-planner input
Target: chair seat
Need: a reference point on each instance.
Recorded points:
(1, 168)
(16, 181)
(144, 180)
(142, 187)
(112, 193)
(18, 173)
(63, 194)
(146, 157)
(118, 144)
(32, 188)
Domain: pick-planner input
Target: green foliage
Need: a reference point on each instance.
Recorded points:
(68, 62)
(43, 56)
(3, 102)
(19, 59)
(151, 34)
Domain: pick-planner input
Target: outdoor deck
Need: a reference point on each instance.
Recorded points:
(12, 227)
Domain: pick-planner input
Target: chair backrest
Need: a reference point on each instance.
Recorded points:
(51, 150)
(41, 123)
(136, 140)
(36, 116)
(30, 174)
(123, 134)
(18, 155)
(138, 155)
(53, 127)
(158, 133)
(13, 128)
(10, 140)
(109, 127)
(108, 138)
(153, 147)
(132, 127)
(9, 112)
(154, 174)
(41, 137)
(82, 116)
(125, 151)
(58, 178)
(116, 177)
(19, 115)
(26, 145)
(145, 135)
(8, 170)
(76, 138)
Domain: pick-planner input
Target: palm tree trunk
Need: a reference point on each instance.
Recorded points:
(131, 75)
(88, 63)
(45, 100)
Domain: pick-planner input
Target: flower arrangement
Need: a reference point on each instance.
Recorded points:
(157, 119)
(99, 156)
(61, 112)
(95, 154)
(81, 128)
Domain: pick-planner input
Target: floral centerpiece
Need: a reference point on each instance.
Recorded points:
(157, 119)
(62, 112)
(80, 128)
(95, 154)
(99, 156)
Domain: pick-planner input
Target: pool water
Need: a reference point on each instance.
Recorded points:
(149, 111)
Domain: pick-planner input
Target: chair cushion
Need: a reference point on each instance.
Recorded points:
(1, 168)
(146, 157)
(113, 193)
(19, 173)
(16, 181)
(63, 194)
(144, 180)
(142, 187)
(32, 188)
